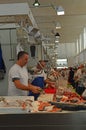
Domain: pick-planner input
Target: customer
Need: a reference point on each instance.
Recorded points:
(78, 80)
(18, 78)
(71, 77)
(38, 77)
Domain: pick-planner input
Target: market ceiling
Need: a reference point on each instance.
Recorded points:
(72, 23)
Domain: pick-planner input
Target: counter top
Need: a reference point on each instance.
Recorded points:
(44, 121)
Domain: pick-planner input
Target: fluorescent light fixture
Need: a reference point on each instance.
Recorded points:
(57, 35)
(36, 3)
(60, 10)
(61, 60)
(62, 67)
(56, 41)
(58, 26)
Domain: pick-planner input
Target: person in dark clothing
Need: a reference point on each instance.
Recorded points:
(2, 65)
(71, 77)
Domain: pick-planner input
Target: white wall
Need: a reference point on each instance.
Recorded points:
(7, 36)
(66, 50)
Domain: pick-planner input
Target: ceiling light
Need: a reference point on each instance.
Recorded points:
(58, 26)
(36, 3)
(60, 10)
(57, 35)
(56, 41)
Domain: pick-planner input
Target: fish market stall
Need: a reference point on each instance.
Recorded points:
(25, 113)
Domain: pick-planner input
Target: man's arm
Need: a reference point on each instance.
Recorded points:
(19, 85)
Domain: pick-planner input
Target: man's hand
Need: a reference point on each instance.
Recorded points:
(35, 89)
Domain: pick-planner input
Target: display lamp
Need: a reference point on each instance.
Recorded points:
(36, 3)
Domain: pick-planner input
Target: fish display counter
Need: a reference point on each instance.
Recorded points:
(15, 114)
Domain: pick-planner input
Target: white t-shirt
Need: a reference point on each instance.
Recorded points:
(20, 73)
(41, 73)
